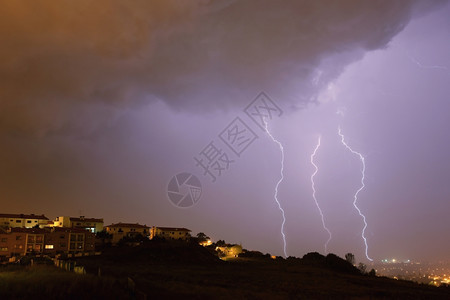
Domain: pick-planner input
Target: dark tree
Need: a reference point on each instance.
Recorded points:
(350, 258)
(103, 235)
(221, 243)
(132, 239)
(202, 237)
(362, 268)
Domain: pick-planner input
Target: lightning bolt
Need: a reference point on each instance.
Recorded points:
(314, 193)
(355, 197)
(278, 184)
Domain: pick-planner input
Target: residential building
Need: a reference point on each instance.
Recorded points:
(23, 220)
(170, 233)
(92, 224)
(51, 241)
(20, 241)
(69, 240)
(121, 230)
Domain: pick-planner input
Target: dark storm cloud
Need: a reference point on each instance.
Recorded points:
(102, 102)
(57, 58)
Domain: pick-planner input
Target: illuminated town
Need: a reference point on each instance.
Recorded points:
(30, 235)
(428, 273)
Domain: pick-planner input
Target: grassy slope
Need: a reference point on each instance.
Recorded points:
(173, 269)
(48, 282)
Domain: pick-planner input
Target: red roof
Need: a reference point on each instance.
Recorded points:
(23, 216)
(172, 229)
(128, 225)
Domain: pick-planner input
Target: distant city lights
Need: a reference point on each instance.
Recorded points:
(395, 261)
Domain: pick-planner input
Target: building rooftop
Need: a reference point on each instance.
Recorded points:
(23, 216)
(69, 229)
(172, 229)
(44, 230)
(128, 225)
(29, 230)
(83, 219)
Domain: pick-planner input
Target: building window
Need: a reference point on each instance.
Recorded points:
(39, 239)
(80, 238)
(62, 236)
(29, 221)
(35, 221)
(62, 245)
(18, 237)
(37, 247)
(72, 246)
(31, 239)
(4, 249)
(4, 240)
(48, 246)
(18, 221)
(79, 245)
(73, 237)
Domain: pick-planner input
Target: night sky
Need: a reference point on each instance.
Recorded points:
(103, 102)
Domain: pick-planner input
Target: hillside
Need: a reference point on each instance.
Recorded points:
(174, 269)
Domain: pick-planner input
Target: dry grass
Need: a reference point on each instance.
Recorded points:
(48, 282)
